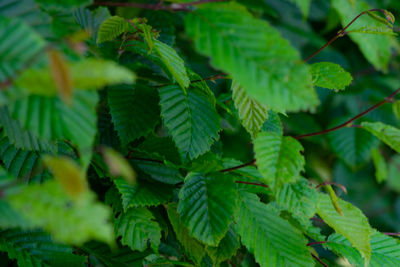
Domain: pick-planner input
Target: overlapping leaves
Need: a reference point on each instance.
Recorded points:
(191, 119)
(255, 54)
(279, 158)
(273, 240)
(206, 205)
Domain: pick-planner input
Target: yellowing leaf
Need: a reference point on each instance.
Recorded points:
(352, 224)
(68, 173)
(119, 166)
(61, 75)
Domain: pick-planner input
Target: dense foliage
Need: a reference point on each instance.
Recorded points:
(199, 133)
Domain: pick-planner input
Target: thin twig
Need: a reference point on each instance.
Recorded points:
(239, 166)
(348, 122)
(316, 243)
(158, 6)
(319, 260)
(391, 234)
(343, 32)
(258, 184)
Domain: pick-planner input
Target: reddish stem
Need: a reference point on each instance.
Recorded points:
(319, 260)
(348, 122)
(391, 234)
(243, 182)
(239, 166)
(316, 243)
(158, 6)
(342, 32)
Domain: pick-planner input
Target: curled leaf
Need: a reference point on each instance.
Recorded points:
(334, 198)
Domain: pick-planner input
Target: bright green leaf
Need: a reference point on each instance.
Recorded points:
(330, 75)
(385, 250)
(375, 48)
(173, 63)
(88, 74)
(272, 240)
(48, 206)
(255, 54)
(111, 28)
(251, 112)
(386, 133)
(352, 224)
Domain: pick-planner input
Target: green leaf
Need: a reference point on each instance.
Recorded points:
(111, 28)
(279, 158)
(174, 63)
(20, 45)
(191, 119)
(19, 137)
(396, 109)
(29, 12)
(206, 205)
(197, 82)
(381, 170)
(254, 54)
(330, 75)
(52, 119)
(9, 218)
(90, 20)
(160, 172)
(48, 206)
(273, 124)
(386, 133)
(193, 248)
(134, 110)
(86, 74)
(375, 48)
(272, 240)
(36, 248)
(352, 224)
(143, 193)
(385, 250)
(226, 248)
(123, 256)
(251, 113)
(299, 199)
(20, 163)
(352, 145)
(136, 227)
